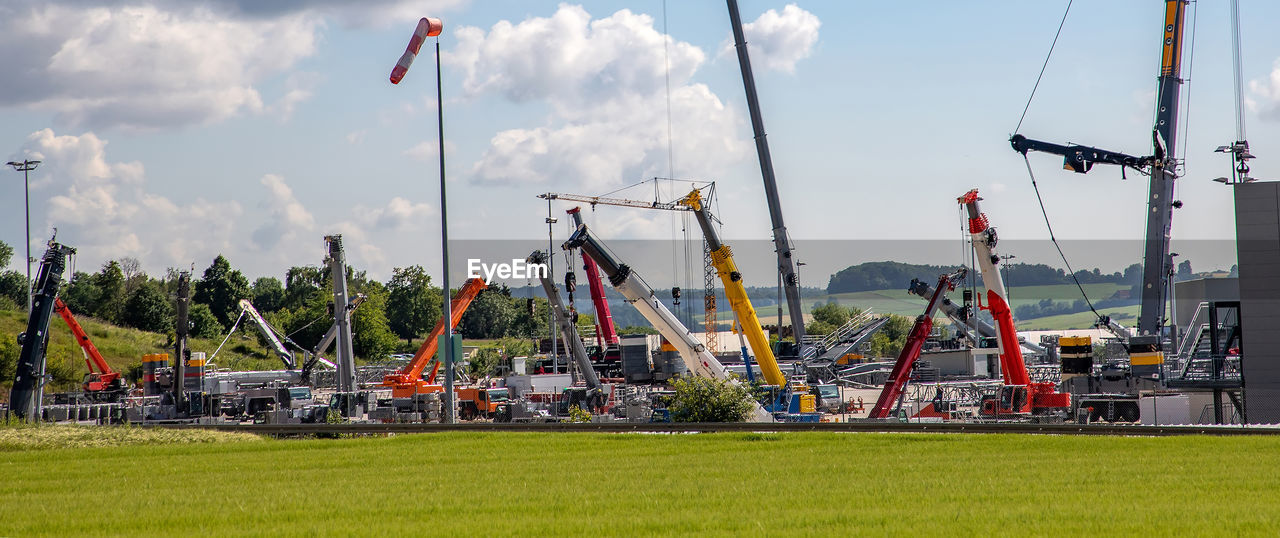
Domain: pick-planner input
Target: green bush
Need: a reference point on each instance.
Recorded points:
(700, 399)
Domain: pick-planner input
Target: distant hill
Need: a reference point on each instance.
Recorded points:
(873, 276)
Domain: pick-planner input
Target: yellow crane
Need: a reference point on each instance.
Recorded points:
(725, 266)
(722, 260)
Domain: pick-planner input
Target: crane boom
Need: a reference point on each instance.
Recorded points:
(29, 373)
(598, 200)
(1161, 166)
(911, 348)
(608, 333)
(1030, 397)
(270, 334)
(695, 355)
(960, 315)
(722, 259)
(101, 376)
(408, 380)
(568, 330)
(781, 241)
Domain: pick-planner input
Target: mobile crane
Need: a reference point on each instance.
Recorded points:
(781, 240)
(893, 388)
(408, 381)
(1018, 396)
(568, 330)
(640, 295)
(594, 397)
(101, 384)
(722, 259)
(607, 333)
(28, 381)
(1161, 166)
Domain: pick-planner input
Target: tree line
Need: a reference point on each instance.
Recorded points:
(393, 315)
(873, 276)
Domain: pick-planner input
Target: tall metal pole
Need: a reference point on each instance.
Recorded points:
(781, 242)
(26, 166)
(451, 415)
(180, 350)
(551, 271)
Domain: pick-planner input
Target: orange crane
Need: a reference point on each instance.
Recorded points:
(101, 383)
(408, 381)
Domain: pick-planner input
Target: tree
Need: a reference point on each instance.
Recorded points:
(148, 309)
(702, 399)
(6, 254)
(889, 340)
(81, 294)
(203, 323)
(13, 287)
(491, 315)
(1184, 271)
(221, 289)
(831, 313)
(301, 285)
(372, 337)
(111, 296)
(268, 294)
(133, 275)
(413, 306)
(484, 362)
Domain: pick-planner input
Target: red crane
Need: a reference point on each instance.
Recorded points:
(1019, 395)
(408, 381)
(101, 383)
(607, 335)
(911, 349)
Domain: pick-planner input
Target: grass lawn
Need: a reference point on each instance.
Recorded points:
(531, 484)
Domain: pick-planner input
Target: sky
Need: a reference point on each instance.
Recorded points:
(174, 131)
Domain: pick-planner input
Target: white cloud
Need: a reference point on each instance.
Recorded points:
(777, 41)
(171, 63)
(1265, 98)
(429, 150)
(356, 137)
(287, 218)
(604, 82)
(398, 214)
(104, 210)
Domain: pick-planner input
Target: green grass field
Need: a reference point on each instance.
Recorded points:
(531, 484)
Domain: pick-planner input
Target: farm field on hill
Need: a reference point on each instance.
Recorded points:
(123, 347)
(543, 484)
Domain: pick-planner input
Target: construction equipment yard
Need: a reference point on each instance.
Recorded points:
(653, 361)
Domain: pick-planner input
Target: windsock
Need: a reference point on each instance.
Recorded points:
(427, 27)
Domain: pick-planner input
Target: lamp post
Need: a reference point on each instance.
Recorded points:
(26, 166)
(1008, 288)
(551, 271)
(431, 27)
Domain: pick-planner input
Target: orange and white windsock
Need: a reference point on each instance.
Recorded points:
(427, 27)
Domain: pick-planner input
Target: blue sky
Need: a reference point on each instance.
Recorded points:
(173, 131)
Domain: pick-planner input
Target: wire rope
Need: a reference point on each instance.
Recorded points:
(1054, 239)
(1043, 66)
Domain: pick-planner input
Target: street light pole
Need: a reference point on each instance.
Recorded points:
(1008, 288)
(26, 166)
(551, 271)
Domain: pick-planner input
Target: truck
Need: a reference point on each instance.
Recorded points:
(483, 402)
